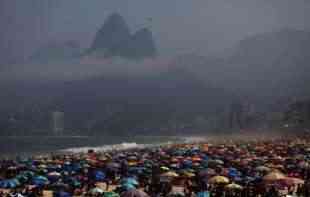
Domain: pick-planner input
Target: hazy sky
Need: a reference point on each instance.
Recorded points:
(178, 25)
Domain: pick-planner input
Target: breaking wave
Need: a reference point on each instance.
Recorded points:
(114, 147)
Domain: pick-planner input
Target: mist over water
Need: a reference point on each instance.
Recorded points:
(214, 66)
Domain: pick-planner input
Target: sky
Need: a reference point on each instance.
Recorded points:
(179, 26)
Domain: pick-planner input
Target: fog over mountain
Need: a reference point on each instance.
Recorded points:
(146, 70)
(179, 26)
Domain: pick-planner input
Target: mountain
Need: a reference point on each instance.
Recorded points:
(114, 39)
(263, 74)
(273, 64)
(266, 67)
(141, 45)
(111, 36)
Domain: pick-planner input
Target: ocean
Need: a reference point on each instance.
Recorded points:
(11, 147)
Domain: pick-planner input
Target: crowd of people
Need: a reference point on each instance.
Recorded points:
(232, 168)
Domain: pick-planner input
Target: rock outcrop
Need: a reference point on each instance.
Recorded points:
(114, 39)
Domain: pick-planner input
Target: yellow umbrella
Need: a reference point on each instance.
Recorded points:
(132, 163)
(262, 169)
(233, 186)
(164, 168)
(219, 180)
(170, 174)
(188, 174)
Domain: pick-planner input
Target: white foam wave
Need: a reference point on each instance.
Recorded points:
(117, 147)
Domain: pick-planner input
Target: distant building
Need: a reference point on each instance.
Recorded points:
(58, 123)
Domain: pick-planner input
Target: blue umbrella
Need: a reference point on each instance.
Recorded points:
(203, 194)
(9, 183)
(76, 166)
(40, 180)
(100, 176)
(187, 164)
(136, 170)
(62, 194)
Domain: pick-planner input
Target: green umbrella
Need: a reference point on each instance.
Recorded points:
(28, 173)
(110, 194)
(96, 191)
(22, 178)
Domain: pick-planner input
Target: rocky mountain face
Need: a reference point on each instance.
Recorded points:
(115, 39)
(111, 36)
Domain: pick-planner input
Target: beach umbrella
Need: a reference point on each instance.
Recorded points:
(28, 173)
(110, 194)
(233, 186)
(132, 163)
(99, 176)
(53, 176)
(132, 158)
(164, 168)
(127, 187)
(12, 168)
(59, 186)
(262, 169)
(188, 174)
(113, 165)
(22, 178)
(175, 194)
(42, 166)
(134, 193)
(290, 181)
(170, 174)
(174, 166)
(274, 176)
(206, 173)
(57, 174)
(62, 194)
(131, 181)
(103, 158)
(40, 180)
(203, 194)
(9, 183)
(303, 164)
(187, 164)
(96, 191)
(196, 159)
(136, 170)
(218, 180)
